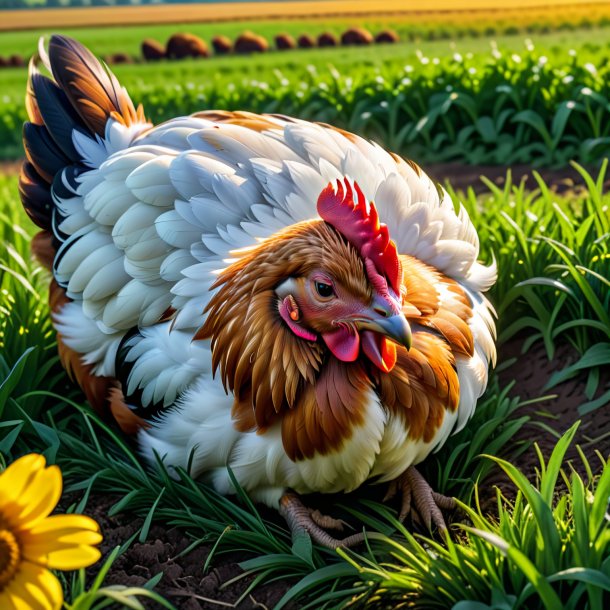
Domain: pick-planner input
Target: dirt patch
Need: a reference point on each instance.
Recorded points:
(530, 372)
(552, 417)
(462, 176)
(185, 583)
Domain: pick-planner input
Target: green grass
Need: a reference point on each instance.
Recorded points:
(548, 548)
(553, 256)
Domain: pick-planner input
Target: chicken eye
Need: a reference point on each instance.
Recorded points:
(324, 290)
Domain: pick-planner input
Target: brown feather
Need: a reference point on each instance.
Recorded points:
(326, 413)
(422, 386)
(43, 249)
(250, 120)
(103, 393)
(260, 360)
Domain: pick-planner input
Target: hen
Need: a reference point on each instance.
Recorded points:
(225, 286)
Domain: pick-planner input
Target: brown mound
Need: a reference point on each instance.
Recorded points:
(222, 45)
(387, 36)
(356, 36)
(327, 39)
(284, 42)
(152, 50)
(249, 42)
(16, 61)
(180, 46)
(306, 41)
(119, 58)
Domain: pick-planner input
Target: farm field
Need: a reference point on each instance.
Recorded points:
(418, 27)
(394, 93)
(478, 112)
(466, 10)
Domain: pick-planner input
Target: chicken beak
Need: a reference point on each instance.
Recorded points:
(396, 328)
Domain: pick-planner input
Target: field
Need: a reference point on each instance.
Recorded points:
(398, 10)
(531, 103)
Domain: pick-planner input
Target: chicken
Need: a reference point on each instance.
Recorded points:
(257, 292)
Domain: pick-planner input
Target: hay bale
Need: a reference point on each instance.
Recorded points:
(16, 61)
(180, 46)
(327, 39)
(284, 42)
(387, 37)
(120, 58)
(152, 50)
(3, 62)
(222, 45)
(249, 42)
(357, 37)
(306, 41)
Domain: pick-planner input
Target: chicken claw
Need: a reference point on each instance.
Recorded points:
(300, 518)
(419, 499)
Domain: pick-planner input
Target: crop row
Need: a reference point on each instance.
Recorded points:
(501, 108)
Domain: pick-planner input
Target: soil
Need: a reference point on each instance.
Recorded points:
(461, 176)
(184, 581)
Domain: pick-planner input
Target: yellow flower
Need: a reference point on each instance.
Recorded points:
(32, 542)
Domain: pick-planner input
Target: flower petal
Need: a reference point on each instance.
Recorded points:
(6, 601)
(56, 524)
(19, 475)
(71, 557)
(41, 496)
(62, 542)
(34, 588)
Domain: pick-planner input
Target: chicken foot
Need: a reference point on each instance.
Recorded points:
(419, 499)
(299, 517)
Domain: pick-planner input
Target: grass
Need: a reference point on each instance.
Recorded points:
(40, 411)
(548, 548)
(554, 259)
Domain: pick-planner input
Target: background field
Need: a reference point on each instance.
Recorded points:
(466, 10)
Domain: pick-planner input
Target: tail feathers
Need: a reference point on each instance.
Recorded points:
(57, 114)
(42, 151)
(36, 196)
(92, 89)
(81, 98)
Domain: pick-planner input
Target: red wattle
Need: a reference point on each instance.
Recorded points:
(344, 344)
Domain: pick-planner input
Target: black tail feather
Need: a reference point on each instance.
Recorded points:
(35, 195)
(58, 115)
(42, 152)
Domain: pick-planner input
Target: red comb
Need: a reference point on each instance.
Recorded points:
(359, 223)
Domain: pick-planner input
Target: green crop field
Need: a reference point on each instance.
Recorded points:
(503, 102)
(540, 541)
